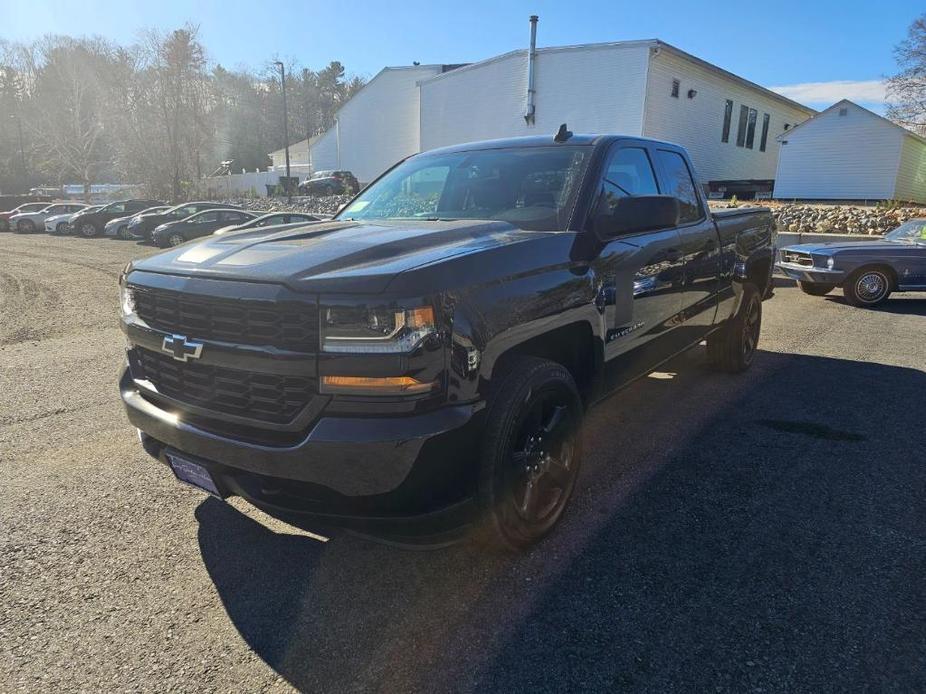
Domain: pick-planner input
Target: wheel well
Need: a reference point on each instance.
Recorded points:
(572, 346)
(759, 274)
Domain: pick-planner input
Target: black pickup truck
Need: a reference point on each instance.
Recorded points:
(427, 355)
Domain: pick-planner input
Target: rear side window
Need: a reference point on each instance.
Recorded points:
(678, 182)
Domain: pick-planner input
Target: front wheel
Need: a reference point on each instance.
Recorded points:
(733, 347)
(531, 453)
(61, 228)
(815, 288)
(88, 230)
(867, 287)
(175, 239)
(25, 226)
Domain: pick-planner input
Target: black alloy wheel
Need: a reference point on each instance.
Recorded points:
(532, 453)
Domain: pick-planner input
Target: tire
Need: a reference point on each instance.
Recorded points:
(61, 228)
(815, 288)
(88, 230)
(120, 234)
(175, 239)
(868, 287)
(25, 226)
(733, 347)
(531, 454)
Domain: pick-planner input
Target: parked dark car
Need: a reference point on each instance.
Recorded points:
(867, 271)
(272, 219)
(91, 223)
(425, 359)
(197, 225)
(61, 225)
(118, 227)
(330, 183)
(141, 226)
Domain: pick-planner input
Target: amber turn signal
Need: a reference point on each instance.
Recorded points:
(366, 385)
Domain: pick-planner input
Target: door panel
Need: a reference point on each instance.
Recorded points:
(642, 275)
(699, 243)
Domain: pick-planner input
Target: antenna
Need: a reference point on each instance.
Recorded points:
(562, 134)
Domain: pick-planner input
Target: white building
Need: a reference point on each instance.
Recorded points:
(849, 153)
(643, 88)
(375, 129)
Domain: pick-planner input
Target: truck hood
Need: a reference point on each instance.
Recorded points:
(834, 246)
(343, 257)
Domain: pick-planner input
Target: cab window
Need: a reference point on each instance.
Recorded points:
(628, 174)
(678, 181)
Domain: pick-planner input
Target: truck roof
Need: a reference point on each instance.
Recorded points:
(581, 139)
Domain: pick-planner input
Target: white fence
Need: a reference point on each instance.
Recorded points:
(254, 182)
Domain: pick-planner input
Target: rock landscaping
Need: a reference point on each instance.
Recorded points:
(835, 219)
(328, 204)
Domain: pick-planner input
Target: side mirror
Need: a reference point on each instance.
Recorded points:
(634, 214)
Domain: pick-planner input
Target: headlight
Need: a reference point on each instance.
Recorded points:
(127, 300)
(830, 262)
(375, 330)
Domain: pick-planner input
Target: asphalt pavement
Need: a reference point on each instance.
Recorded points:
(762, 532)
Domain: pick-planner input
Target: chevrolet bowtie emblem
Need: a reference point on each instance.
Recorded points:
(181, 348)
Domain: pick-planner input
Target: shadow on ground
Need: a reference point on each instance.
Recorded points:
(765, 532)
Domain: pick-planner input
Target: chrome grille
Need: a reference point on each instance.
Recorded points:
(797, 258)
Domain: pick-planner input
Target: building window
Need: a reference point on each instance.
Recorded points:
(675, 87)
(843, 111)
(741, 127)
(764, 141)
(787, 126)
(727, 117)
(751, 129)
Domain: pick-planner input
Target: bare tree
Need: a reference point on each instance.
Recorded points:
(907, 89)
(69, 96)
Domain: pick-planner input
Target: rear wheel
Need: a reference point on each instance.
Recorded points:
(733, 347)
(816, 288)
(531, 453)
(88, 230)
(868, 287)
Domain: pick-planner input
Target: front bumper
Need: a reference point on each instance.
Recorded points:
(343, 467)
(813, 274)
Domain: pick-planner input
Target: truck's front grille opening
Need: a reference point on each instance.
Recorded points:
(259, 396)
(797, 258)
(286, 325)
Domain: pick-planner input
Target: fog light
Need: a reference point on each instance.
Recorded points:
(366, 385)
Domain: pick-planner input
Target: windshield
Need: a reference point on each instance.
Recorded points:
(532, 188)
(913, 231)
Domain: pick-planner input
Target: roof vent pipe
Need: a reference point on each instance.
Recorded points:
(531, 60)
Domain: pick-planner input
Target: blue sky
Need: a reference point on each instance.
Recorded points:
(814, 51)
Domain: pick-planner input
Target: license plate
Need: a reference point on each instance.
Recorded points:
(193, 474)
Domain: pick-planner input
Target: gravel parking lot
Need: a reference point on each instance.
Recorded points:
(764, 532)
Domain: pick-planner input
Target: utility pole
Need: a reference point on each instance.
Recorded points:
(22, 149)
(289, 195)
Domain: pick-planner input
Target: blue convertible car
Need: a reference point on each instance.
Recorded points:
(867, 271)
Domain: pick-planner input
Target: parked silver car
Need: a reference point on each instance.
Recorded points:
(28, 222)
(118, 228)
